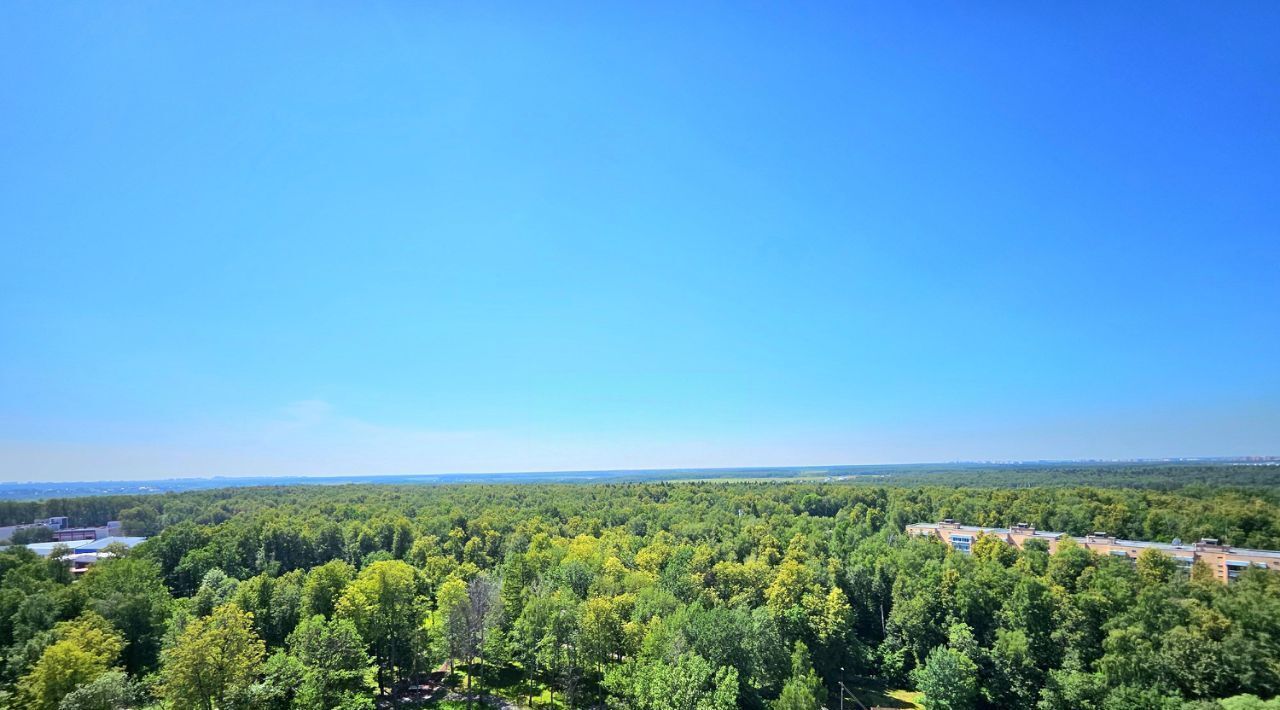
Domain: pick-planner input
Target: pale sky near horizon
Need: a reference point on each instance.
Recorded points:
(298, 238)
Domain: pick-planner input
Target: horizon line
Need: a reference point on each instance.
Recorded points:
(1243, 458)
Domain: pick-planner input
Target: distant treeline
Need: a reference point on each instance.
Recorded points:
(1162, 477)
(88, 511)
(1194, 480)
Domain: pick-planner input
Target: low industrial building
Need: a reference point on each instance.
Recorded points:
(83, 553)
(72, 534)
(1226, 562)
(61, 531)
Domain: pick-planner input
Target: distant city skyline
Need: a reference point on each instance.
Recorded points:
(286, 239)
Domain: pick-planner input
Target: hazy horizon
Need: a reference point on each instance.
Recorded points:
(833, 468)
(291, 240)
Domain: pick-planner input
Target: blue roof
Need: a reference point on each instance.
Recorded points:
(44, 549)
(95, 545)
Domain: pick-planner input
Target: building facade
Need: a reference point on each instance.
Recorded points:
(62, 530)
(72, 534)
(1226, 562)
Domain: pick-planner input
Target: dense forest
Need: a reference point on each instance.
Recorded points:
(647, 595)
(20, 500)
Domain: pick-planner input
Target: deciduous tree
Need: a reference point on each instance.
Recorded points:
(383, 604)
(83, 650)
(213, 662)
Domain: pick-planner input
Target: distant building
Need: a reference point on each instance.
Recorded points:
(81, 561)
(7, 532)
(104, 542)
(1226, 562)
(62, 532)
(83, 553)
(72, 534)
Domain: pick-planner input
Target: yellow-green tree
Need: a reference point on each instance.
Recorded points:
(601, 631)
(992, 547)
(323, 587)
(451, 596)
(1155, 567)
(790, 582)
(83, 650)
(213, 662)
(384, 605)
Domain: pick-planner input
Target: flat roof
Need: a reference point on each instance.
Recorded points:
(95, 545)
(44, 549)
(1138, 544)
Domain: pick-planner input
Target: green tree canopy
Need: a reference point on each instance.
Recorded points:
(383, 605)
(213, 662)
(82, 650)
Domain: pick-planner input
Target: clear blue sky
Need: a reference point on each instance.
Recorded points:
(331, 238)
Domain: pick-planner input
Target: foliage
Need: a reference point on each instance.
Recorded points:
(214, 662)
(949, 680)
(689, 683)
(113, 690)
(803, 690)
(82, 650)
(324, 586)
(336, 670)
(383, 605)
(656, 595)
(28, 535)
(130, 593)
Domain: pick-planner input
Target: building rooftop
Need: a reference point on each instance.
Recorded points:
(100, 543)
(44, 549)
(1136, 544)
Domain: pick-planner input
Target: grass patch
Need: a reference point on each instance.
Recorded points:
(873, 693)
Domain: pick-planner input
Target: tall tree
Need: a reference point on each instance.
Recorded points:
(214, 661)
(83, 650)
(113, 690)
(324, 586)
(383, 604)
(688, 683)
(803, 690)
(130, 593)
(949, 680)
(216, 588)
(337, 671)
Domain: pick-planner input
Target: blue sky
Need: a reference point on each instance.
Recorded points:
(315, 238)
